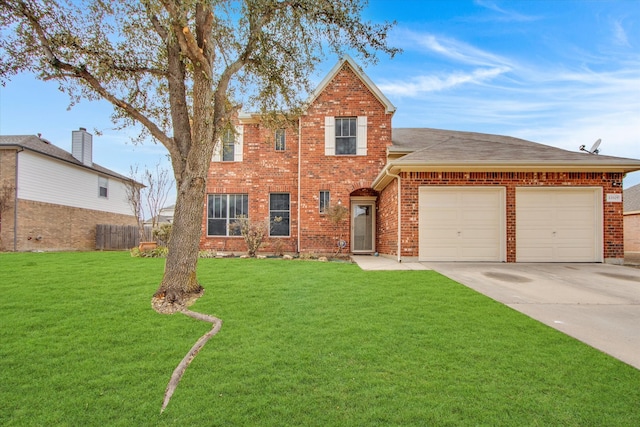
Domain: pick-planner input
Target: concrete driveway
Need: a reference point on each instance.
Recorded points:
(599, 304)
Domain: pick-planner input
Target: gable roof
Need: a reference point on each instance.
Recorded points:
(253, 117)
(632, 199)
(42, 146)
(425, 149)
(357, 70)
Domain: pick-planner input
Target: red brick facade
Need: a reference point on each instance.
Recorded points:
(411, 182)
(304, 169)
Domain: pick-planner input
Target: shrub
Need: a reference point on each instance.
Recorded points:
(253, 233)
(163, 233)
(159, 252)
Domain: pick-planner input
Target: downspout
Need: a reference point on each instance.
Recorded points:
(299, 178)
(399, 214)
(15, 205)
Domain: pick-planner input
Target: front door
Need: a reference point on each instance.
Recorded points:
(363, 222)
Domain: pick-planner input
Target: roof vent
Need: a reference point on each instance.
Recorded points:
(82, 146)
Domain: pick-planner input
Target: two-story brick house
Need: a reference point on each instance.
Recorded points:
(419, 194)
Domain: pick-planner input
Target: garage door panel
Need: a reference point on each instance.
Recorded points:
(443, 234)
(558, 225)
(461, 224)
(483, 234)
(442, 215)
(479, 216)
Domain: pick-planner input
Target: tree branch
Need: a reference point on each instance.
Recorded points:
(186, 40)
(80, 72)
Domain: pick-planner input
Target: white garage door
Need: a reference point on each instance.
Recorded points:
(558, 224)
(461, 223)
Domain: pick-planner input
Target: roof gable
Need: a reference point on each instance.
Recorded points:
(346, 59)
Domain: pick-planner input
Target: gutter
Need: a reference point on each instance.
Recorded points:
(518, 166)
(382, 180)
(399, 232)
(392, 168)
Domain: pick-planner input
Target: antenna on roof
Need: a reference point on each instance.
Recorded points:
(594, 147)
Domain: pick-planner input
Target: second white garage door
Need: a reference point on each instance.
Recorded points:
(558, 224)
(461, 223)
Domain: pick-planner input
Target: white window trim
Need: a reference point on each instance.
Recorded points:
(100, 186)
(237, 146)
(227, 217)
(330, 136)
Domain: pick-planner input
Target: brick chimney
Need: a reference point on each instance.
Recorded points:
(82, 146)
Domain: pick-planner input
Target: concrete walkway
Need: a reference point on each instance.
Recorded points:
(371, 262)
(598, 304)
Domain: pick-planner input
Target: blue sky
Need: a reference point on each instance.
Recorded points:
(559, 72)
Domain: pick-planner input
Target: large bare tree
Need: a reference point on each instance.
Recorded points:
(182, 69)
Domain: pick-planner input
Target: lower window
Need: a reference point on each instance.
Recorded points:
(279, 214)
(222, 212)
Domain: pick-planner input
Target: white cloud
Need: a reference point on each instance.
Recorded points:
(504, 15)
(619, 34)
(420, 85)
(564, 104)
(456, 50)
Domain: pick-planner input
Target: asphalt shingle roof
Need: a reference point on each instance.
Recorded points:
(632, 199)
(42, 146)
(434, 146)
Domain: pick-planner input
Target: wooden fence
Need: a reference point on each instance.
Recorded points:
(117, 237)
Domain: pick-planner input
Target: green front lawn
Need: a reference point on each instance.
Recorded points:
(303, 344)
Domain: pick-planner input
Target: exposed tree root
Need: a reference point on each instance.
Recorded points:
(182, 366)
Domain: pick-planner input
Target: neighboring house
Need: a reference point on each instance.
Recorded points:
(56, 197)
(632, 219)
(165, 216)
(413, 194)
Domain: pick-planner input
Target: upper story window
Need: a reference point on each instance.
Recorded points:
(345, 136)
(280, 140)
(103, 187)
(229, 147)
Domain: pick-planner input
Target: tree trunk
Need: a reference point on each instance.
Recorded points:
(179, 287)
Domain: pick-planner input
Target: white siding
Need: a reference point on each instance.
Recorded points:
(43, 179)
